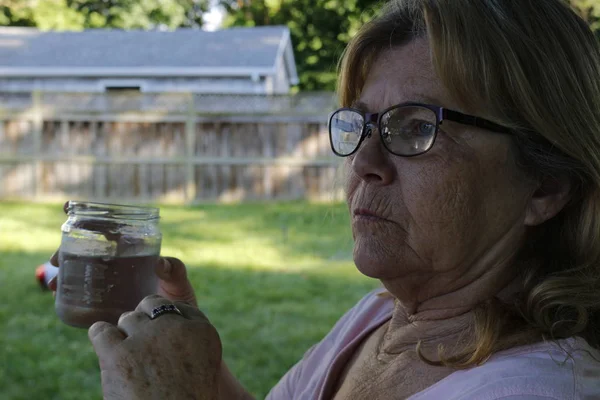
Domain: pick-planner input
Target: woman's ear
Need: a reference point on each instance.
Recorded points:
(551, 196)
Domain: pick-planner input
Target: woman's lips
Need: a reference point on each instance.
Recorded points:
(367, 215)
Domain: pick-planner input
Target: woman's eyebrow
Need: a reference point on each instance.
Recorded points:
(418, 98)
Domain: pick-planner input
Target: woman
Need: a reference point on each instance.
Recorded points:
(471, 132)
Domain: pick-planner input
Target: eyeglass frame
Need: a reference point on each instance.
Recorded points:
(441, 114)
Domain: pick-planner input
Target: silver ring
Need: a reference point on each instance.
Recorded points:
(165, 309)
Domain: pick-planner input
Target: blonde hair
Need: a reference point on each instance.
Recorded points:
(535, 68)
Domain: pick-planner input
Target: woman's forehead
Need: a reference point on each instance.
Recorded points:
(402, 74)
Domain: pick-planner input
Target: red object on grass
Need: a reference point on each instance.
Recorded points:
(40, 276)
(44, 274)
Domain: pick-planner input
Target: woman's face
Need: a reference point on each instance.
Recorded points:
(446, 217)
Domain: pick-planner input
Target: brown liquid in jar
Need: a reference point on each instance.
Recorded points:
(102, 288)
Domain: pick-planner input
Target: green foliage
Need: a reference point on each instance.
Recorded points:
(56, 14)
(83, 14)
(320, 30)
(16, 13)
(272, 279)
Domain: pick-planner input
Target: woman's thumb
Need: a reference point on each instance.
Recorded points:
(173, 281)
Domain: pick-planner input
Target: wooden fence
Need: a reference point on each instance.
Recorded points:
(168, 148)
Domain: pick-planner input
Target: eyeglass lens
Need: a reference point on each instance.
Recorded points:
(406, 130)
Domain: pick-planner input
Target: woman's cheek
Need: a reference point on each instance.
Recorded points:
(351, 180)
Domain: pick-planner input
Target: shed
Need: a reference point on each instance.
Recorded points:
(237, 61)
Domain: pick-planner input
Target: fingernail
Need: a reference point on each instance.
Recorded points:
(166, 266)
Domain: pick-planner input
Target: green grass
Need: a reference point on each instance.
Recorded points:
(273, 279)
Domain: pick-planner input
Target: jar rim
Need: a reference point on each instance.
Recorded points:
(107, 210)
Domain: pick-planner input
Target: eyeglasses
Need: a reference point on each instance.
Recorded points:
(406, 130)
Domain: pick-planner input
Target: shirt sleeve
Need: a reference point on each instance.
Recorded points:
(284, 390)
(306, 378)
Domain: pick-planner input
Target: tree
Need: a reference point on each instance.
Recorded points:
(320, 30)
(16, 13)
(135, 14)
(83, 14)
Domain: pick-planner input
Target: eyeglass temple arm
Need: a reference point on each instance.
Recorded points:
(475, 121)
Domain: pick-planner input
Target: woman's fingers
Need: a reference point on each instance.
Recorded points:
(188, 311)
(171, 270)
(173, 281)
(54, 258)
(170, 358)
(132, 321)
(191, 312)
(149, 303)
(105, 338)
(54, 262)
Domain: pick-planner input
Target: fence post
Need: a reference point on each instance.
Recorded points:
(37, 127)
(190, 150)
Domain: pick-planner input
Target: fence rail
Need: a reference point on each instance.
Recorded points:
(170, 147)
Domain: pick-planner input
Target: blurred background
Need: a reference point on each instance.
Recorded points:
(215, 111)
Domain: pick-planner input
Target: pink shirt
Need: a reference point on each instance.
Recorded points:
(537, 372)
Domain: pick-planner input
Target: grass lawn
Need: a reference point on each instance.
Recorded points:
(273, 279)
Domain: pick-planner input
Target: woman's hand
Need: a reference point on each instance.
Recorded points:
(170, 357)
(174, 285)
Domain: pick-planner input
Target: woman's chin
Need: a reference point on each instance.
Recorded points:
(374, 264)
(370, 271)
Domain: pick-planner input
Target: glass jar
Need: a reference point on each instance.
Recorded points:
(107, 260)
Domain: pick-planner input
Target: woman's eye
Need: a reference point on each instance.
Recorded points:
(415, 128)
(425, 128)
(409, 127)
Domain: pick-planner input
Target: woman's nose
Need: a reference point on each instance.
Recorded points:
(372, 162)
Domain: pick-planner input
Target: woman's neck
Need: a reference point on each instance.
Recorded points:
(405, 331)
(446, 320)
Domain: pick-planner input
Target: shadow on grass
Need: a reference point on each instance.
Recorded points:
(266, 321)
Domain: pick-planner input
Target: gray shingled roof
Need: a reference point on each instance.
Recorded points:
(252, 48)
